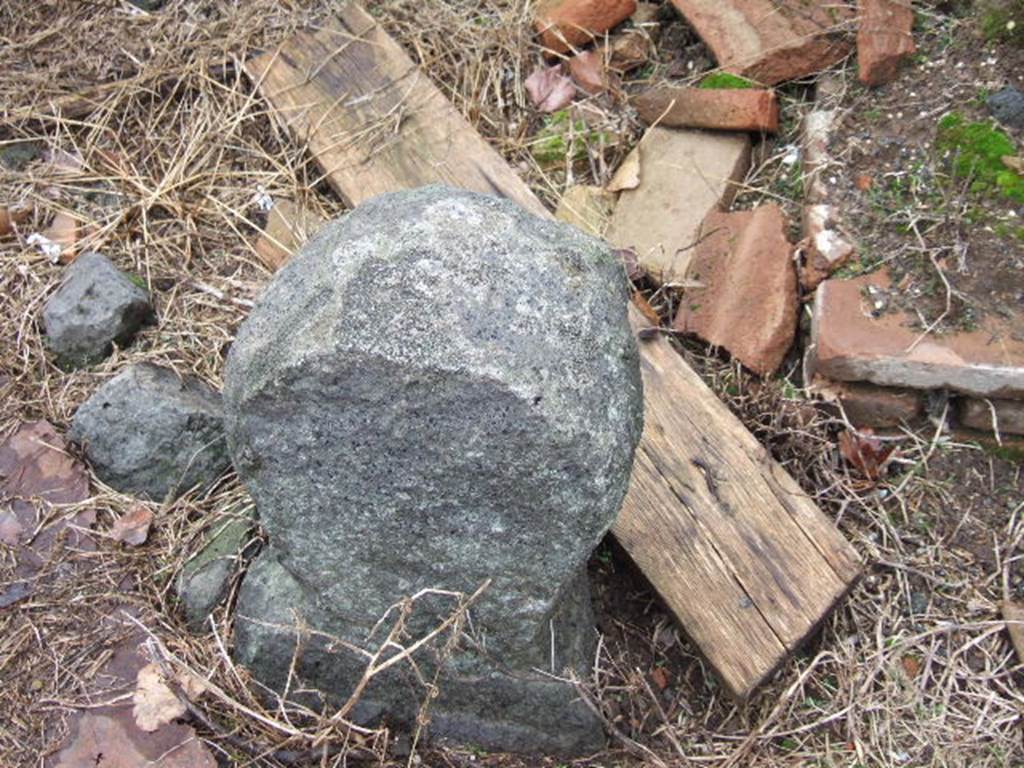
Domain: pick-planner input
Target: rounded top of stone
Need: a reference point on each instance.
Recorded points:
(443, 279)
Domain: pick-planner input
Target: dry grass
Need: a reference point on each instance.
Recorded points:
(169, 159)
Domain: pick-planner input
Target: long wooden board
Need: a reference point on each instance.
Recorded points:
(374, 122)
(744, 559)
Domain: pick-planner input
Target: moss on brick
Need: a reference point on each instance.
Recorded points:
(726, 80)
(976, 151)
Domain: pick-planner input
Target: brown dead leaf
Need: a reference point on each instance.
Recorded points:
(660, 678)
(1013, 615)
(34, 462)
(646, 309)
(866, 454)
(288, 227)
(102, 741)
(11, 214)
(911, 666)
(1015, 164)
(64, 232)
(587, 208)
(132, 528)
(10, 527)
(35, 472)
(549, 88)
(629, 50)
(154, 703)
(587, 69)
(191, 685)
(627, 176)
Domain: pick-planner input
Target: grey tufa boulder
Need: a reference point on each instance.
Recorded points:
(150, 433)
(205, 578)
(439, 390)
(96, 305)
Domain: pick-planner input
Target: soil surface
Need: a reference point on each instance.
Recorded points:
(901, 201)
(168, 171)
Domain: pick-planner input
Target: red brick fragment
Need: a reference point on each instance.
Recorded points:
(1004, 416)
(825, 246)
(563, 24)
(748, 299)
(857, 335)
(868, 405)
(728, 109)
(883, 39)
(770, 40)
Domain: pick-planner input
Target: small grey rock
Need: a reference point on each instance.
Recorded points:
(205, 578)
(96, 306)
(16, 156)
(918, 603)
(1007, 106)
(150, 433)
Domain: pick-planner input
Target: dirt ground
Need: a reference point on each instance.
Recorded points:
(161, 151)
(905, 208)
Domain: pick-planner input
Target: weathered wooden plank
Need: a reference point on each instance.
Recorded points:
(374, 122)
(735, 548)
(663, 537)
(740, 554)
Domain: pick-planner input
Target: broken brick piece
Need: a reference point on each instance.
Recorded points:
(770, 40)
(857, 336)
(748, 299)
(729, 109)
(563, 24)
(1004, 416)
(868, 405)
(681, 176)
(883, 39)
(825, 246)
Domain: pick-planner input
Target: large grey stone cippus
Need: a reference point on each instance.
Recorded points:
(151, 433)
(439, 390)
(96, 305)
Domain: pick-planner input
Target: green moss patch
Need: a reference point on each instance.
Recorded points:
(559, 137)
(726, 80)
(976, 151)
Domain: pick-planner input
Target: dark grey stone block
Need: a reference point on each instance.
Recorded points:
(204, 580)
(1007, 106)
(96, 305)
(149, 433)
